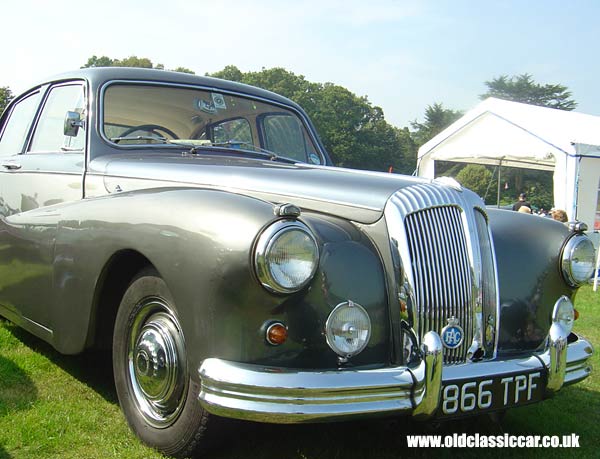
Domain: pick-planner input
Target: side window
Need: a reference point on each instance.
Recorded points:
(49, 132)
(17, 126)
(232, 130)
(286, 136)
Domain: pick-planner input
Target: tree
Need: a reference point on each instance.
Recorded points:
(95, 61)
(6, 96)
(184, 70)
(522, 88)
(131, 61)
(141, 62)
(437, 118)
(230, 72)
(354, 132)
(475, 177)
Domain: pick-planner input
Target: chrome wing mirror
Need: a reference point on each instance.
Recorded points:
(73, 122)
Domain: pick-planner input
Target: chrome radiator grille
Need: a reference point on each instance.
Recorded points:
(443, 283)
(445, 264)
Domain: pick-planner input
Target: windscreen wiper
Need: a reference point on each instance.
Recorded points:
(139, 137)
(250, 148)
(196, 145)
(233, 143)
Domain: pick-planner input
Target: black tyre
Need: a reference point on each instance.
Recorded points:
(152, 375)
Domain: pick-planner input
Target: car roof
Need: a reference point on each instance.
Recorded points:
(97, 76)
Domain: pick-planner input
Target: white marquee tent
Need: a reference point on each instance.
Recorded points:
(520, 135)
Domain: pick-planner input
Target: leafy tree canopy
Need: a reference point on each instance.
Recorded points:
(437, 118)
(354, 132)
(475, 177)
(522, 88)
(184, 70)
(6, 96)
(131, 61)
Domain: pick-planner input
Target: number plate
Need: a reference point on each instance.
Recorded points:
(467, 396)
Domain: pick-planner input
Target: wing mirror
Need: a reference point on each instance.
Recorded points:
(73, 122)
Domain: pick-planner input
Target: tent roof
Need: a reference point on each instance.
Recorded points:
(511, 130)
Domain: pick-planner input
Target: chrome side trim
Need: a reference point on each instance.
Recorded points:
(31, 326)
(578, 367)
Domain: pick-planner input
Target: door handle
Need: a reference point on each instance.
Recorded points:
(11, 166)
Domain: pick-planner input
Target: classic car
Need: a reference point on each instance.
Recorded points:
(198, 229)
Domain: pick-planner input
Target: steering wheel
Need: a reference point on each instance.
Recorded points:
(151, 128)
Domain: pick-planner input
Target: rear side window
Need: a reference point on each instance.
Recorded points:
(49, 133)
(285, 135)
(18, 124)
(237, 130)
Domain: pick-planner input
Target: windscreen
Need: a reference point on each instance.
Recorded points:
(138, 114)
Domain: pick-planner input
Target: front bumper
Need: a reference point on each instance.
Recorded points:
(281, 395)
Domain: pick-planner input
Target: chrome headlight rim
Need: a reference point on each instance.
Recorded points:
(567, 259)
(265, 243)
(329, 332)
(559, 310)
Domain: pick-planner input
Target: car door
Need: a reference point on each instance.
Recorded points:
(35, 179)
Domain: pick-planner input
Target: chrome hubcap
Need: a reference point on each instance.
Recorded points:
(157, 365)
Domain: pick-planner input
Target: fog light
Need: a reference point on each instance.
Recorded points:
(348, 329)
(276, 334)
(564, 313)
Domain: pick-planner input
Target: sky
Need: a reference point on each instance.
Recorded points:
(402, 55)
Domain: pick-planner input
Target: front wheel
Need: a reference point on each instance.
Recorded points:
(152, 377)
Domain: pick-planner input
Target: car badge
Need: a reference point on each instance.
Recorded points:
(452, 334)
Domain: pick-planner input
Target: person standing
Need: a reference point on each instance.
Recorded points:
(559, 215)
(522, 202)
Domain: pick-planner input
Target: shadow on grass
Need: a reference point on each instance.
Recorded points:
(92, 368)
(374, 438)
(17, 392)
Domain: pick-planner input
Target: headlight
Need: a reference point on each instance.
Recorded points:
(348, 329)
(578, 260)
(564, 313)
(286, 256)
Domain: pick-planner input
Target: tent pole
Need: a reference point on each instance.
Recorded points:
(596, 273)
(498, 195)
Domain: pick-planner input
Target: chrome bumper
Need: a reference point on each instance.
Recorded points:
(280, 395)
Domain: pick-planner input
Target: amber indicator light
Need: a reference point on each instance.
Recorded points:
(277, 334)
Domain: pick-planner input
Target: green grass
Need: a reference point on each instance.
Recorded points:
(55, 406)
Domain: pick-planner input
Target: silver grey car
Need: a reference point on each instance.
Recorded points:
(198, 229)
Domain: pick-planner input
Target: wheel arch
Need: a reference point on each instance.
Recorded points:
(116, 275)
